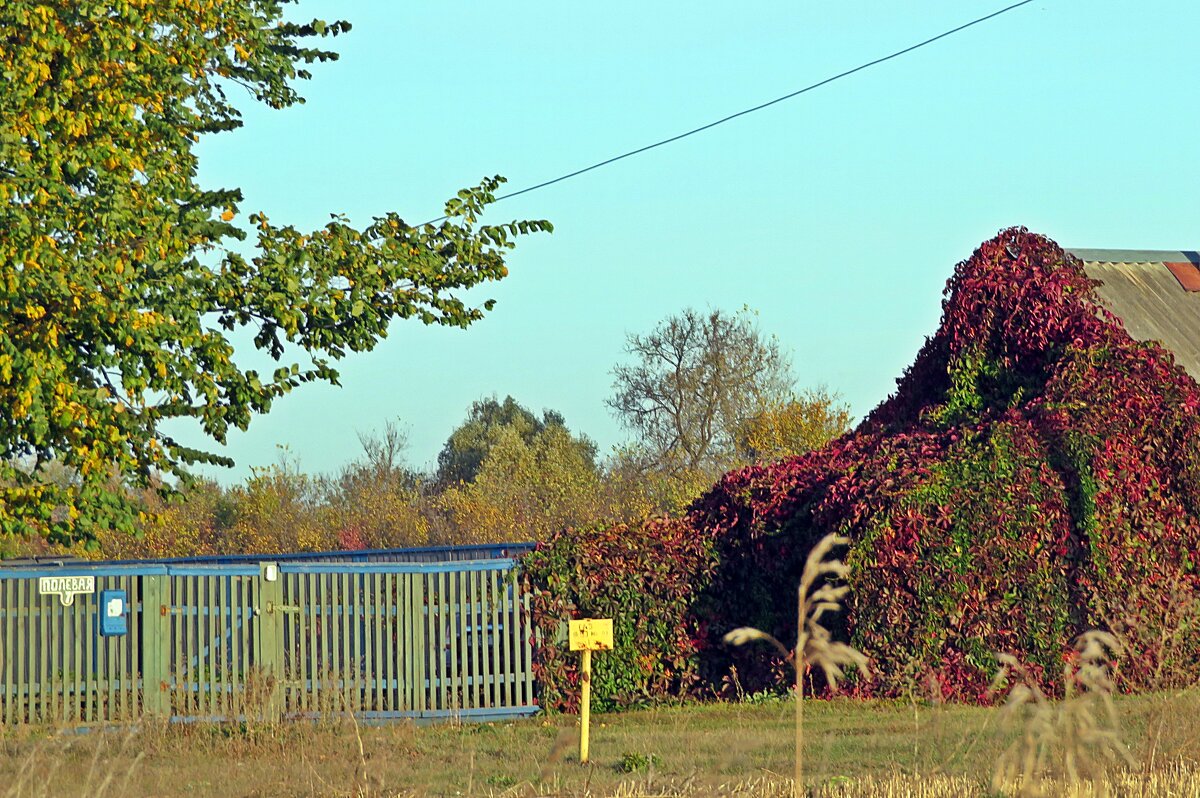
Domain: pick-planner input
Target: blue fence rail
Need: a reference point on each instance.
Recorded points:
(481, 551)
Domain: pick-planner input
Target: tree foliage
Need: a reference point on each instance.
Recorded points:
(633, 490)
(487, 422)
(377, 501)
(373, 502)
(693, 382)
(525, 490)
(120, 280)
(802, 423)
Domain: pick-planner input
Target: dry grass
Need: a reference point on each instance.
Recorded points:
(1175, 782)
(853, 749)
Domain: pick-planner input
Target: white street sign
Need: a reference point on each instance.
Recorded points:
(66, 587)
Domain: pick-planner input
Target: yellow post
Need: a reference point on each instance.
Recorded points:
(588, 635)
(585, 705)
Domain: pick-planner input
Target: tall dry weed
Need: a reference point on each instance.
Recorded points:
(815, 646)
(1076, 739)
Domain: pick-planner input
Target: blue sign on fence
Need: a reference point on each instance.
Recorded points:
(113, 604)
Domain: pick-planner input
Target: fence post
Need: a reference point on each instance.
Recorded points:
(269, 637)
(156, 645)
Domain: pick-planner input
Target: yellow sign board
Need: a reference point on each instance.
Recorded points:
(591, 634)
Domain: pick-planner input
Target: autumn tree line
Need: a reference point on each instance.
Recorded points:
(702, 393)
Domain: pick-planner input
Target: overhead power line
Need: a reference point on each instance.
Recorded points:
(760, 107)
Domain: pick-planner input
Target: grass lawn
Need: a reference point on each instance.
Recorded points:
(720, 748)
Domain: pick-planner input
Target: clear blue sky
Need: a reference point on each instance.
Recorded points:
(838, 215)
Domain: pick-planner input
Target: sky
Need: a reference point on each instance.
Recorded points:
(837, 215)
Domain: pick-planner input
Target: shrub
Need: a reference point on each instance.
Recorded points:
(635, 762)
(645, 577)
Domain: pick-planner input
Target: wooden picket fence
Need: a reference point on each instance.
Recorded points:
(305, 636)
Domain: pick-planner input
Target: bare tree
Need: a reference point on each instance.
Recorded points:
(695, 380)
(383, 453)
(381, 466)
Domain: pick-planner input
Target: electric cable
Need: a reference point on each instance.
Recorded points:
(759, 107)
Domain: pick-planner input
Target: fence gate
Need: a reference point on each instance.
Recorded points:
(383, 640)
(201, 643)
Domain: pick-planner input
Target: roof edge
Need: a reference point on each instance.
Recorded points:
(1135, 255)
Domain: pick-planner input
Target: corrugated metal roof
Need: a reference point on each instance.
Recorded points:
(1142, 291)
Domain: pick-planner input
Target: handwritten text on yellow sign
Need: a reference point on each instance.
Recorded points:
(591, 634)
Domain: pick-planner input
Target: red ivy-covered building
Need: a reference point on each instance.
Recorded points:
(1035, 474)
